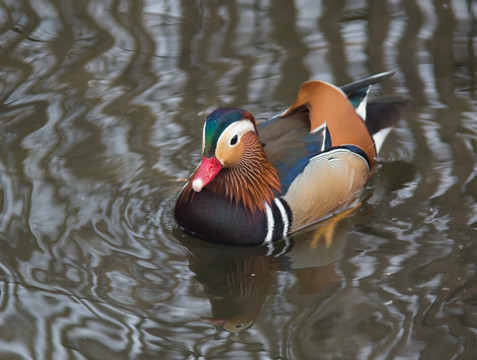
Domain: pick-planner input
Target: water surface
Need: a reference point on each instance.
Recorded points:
(102, 105)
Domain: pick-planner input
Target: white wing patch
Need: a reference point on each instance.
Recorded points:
(361, 109)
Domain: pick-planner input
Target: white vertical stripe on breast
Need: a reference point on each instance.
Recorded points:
(270, 223)
(284, 215)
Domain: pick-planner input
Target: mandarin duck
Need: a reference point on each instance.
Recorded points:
(259, 182)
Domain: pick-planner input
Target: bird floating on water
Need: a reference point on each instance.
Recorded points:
(259, 182)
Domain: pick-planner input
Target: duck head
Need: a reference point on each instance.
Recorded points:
(233, 160)
(222, 145)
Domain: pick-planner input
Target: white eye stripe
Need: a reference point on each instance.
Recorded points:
(238, 128)
(225, 151)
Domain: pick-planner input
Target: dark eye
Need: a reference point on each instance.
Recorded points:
(234, 140)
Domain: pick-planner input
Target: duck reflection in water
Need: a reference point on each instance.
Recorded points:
(237, 280)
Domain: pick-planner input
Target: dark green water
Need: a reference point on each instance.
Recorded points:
(101, 112)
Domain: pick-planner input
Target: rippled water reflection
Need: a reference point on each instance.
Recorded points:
(102, 104)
